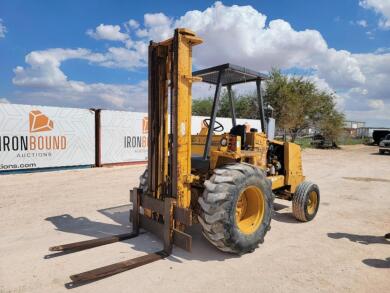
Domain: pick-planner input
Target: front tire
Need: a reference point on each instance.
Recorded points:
(306, 201)
(236, 208)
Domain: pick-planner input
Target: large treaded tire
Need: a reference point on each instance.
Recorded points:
(301, 199)
(218, 206)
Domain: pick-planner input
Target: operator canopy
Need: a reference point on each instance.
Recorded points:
(233, 74)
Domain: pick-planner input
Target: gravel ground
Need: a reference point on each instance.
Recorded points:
(343, 249)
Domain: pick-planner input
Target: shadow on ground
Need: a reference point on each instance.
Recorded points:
(202, 250)
(366, 240)
(84, 226)
(362, 239)
(279, 206)
(377, 263)
(283, 216)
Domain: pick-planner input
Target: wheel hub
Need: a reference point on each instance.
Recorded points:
(250, 209)
(312, 202)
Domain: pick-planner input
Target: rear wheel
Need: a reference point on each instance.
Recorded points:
(306, 201)
(236, 208)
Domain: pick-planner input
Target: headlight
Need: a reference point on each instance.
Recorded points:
(224, 142)
(381, 143)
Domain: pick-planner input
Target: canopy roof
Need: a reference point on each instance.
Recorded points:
(233, 74)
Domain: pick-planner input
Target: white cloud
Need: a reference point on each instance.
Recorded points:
(44, 79)
(382, 50)
(127, 58)
(373, 117)
(157, 27)
(72, 93)
(44, 66)
(376, 104)
(377, 72)
(131, 24)
(4, 101)
(239, 34)
(362, 23)
(132, 55)
(3, 29)
(320, 83)
(235, 34)
(379, 6)
(108, 32)
(371, 101)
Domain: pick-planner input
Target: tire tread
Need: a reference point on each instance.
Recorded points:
(215, 203)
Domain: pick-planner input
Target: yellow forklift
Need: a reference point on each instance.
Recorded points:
(226, 180)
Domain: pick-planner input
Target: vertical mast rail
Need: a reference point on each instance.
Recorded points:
(213, 115)
(183, 42)
(261, 103)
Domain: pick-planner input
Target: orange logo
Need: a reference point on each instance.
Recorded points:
(145, 125)
(39, 122)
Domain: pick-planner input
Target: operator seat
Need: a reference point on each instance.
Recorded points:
(239, 130)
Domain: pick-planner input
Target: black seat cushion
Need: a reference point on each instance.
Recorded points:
(239, 130)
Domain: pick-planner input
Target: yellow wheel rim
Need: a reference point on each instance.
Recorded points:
(250, 209)
(312, 202)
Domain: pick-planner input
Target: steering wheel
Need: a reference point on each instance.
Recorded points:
(218, 128)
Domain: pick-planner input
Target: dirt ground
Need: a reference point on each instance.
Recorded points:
(342, 250)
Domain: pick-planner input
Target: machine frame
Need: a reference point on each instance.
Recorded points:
(170, 192)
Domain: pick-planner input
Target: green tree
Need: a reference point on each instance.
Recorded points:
(293, 100)
(202, 107)
(246, 106)
(331, 126)
(327, 119)
(298, 104)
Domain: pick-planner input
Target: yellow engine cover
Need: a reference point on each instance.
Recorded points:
(293, 165)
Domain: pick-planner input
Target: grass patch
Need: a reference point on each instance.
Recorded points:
(350, 141)
(304, 142)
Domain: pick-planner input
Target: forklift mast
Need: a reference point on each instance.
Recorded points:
(170, 80)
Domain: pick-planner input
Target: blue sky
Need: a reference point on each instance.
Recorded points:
(93, 53)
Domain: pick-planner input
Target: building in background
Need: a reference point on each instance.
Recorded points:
(351, 127)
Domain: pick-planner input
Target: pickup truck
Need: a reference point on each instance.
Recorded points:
(384, 145)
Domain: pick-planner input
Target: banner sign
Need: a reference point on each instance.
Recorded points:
(40, 137)
(124, 136)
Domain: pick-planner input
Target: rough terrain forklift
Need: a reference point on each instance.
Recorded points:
(226, 180)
